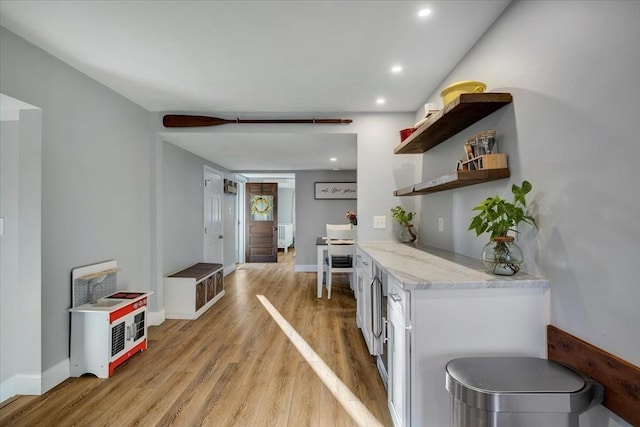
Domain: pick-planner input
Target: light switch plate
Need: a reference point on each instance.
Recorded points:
(379, 222)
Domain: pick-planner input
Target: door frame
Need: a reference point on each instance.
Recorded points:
(208, 170)
(240, 219)
(21, 252)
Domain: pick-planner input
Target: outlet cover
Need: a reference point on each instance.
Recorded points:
(379, 222)
(440, 224)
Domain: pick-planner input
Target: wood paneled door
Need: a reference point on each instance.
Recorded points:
(261, 242)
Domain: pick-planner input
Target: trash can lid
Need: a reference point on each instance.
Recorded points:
(520, 384)
(514, 375)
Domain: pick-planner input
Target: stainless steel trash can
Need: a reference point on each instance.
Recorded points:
(517, 392)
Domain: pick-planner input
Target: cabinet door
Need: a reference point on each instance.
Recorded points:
(211, 287)
(363, 307)
(399, 375)
(219, 281)
(360, 284)
(201, 294)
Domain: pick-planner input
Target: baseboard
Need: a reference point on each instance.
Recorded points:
(20, 384)
(35, 384)
(156, 317)
(306, 268)
(7, 389)
(229, 269)
(55, 375)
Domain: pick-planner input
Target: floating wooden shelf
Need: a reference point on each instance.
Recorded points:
(454, 180)
(459, 114)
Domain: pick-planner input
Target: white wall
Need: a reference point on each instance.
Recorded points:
(380, 172)
(574, 71)
(312, 216)
(20, 260)
(285, 204)
(95, 182)
(183, 210)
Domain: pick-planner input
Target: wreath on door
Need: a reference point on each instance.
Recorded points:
(260, 205)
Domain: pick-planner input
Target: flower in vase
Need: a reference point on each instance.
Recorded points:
(352, 217)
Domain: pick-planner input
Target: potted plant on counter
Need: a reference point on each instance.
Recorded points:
(498, 217)
(407, 233)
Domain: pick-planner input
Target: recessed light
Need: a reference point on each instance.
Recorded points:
(333, 159)
(424, 12)
(380, 101)
(396, 69)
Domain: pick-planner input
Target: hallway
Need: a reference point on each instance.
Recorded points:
(232, 367)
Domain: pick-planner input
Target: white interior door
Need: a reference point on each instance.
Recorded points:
(213, 231)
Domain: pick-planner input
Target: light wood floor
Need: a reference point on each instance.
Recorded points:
(231, 367)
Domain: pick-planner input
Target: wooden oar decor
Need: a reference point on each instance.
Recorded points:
(184, 121)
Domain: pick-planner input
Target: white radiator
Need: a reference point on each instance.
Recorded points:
(285, 236)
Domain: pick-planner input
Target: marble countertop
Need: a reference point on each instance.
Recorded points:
(423, 267)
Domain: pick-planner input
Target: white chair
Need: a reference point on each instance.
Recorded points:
(339, 227)
(341, 251)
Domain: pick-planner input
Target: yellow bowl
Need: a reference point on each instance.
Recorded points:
(451, 92)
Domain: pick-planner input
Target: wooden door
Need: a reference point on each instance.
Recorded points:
(261, 237)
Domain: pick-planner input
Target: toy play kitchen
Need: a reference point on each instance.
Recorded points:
(108, 325)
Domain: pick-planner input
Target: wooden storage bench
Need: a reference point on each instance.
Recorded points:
(190, 292)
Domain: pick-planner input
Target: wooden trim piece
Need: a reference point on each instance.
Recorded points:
(98, 274)
(620, 379)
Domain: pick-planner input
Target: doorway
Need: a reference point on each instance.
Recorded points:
(261, 222)
(213, 234)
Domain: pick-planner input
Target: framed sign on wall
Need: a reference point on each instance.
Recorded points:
(335, 190)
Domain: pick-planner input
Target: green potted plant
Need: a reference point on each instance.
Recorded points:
(407, 233)
(498, 217)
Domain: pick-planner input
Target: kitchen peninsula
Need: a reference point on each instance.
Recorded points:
(441, 306)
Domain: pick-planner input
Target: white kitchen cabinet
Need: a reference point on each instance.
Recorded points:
(363, 279)
(399, 335)
(443, 306)
(190, 292)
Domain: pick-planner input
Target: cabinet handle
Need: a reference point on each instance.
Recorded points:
(365, 262)
(395, 297)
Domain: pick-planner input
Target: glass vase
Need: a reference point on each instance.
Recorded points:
(502, 256)
(408, 234)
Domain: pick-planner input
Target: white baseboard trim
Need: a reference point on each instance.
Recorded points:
(35, 384)
(229, 269)
(306, 268)
(7, 389)
(27, 384)
(156, 317)
(55, 375)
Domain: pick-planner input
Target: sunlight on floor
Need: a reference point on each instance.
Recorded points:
(347, 399)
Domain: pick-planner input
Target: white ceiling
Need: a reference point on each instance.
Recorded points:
(259, 58)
